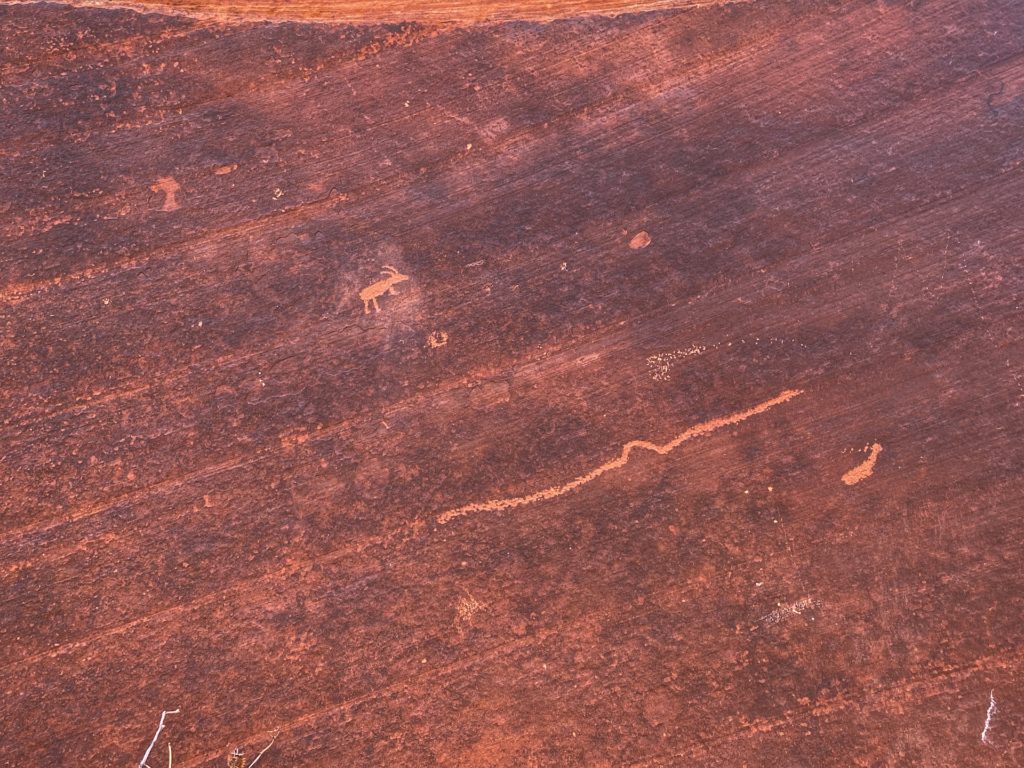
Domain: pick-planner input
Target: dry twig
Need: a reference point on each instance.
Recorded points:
(159, 730)
(237, 754)
(272, 740)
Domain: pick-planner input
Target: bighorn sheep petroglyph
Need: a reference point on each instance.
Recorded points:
(372, 292)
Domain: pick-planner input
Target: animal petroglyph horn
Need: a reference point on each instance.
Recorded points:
(372, 292)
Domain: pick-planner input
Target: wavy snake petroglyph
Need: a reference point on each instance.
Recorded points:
(698, 430)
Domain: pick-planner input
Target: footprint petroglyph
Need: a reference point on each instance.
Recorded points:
(698, 430)
(865, 468)
(640, 240)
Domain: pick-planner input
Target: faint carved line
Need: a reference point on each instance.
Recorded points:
(699, 430)
(792, 609)
(660, 365)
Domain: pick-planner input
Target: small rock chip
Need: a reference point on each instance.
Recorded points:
(640, 240)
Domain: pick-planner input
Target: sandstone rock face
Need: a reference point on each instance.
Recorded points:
(574, 389)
